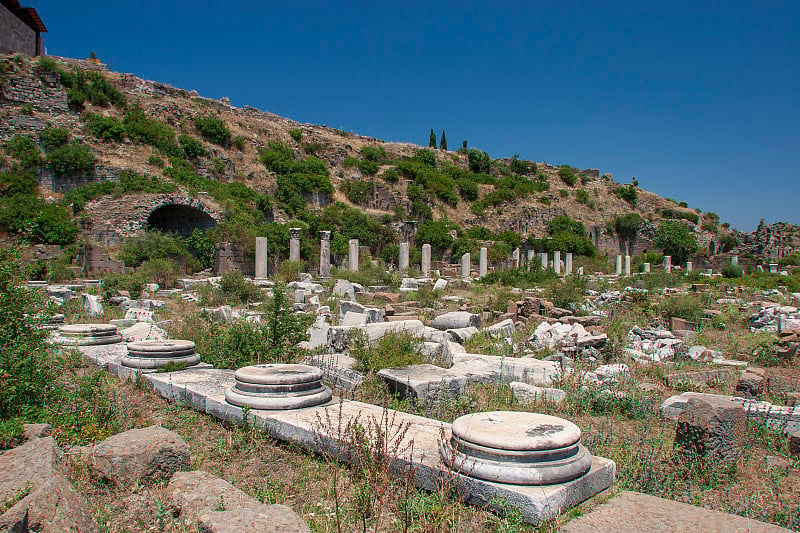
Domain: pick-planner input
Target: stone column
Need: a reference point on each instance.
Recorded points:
(773, 268)
(646, 267)
(426, 260)
(568, 264)
(483, 263)
(294, 244)
(735, 260)
(619, 265)
(627, 265)
(557, 262)
(515, 258)
(667, 264)
(324, 254)
(465, 266)
(543, 257)
(352, 255)
(402, 263)
(261, 257)
(689, 266)
(531, 255)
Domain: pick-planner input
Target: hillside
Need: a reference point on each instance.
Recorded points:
(151, 129)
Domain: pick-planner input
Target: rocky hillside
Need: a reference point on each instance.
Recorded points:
(195, 147)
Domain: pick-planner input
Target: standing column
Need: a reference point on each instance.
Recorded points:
(261, 257)
(627, 265)
(426, 260)
(402, 263)
(531, 255)
(568, 264)
(483, 263)
(294, 244)
(543, 258)
(646, 268)
(466, 264)
(557, 262)
(515, 258)
(734, 259)
(618, 270)
(352, 255)
(689, 266)
(667, 264)
(324, 254)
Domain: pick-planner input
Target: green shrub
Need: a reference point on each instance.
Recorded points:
(155, 161)
(52, 138)
(437, 233)
(478, 160)
(521, 277)
(107, 129)
(139, 128)
(24, 149)
(26, 108)
(627, 226)
(390, 175)
(676, 239)
(239, 142)
(629, 193)
(27, 216)
(213, 129)
(581, 196)
(687, 307)
(567, 175)
(467, 189)
(46, 64)
(368, 168)
(729, 270)
(680, 215)
(192, 148)
(358, 192)
(393, 350)
(518, 166)
(376, 154)
(73, 159)
(296, 134)
(237, 289)
(151, 245)
(426, 157)
(27, 375)
(92, 86)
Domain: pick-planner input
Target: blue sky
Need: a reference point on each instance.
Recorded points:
(698, 100)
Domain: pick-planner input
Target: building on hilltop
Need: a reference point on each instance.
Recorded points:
(20, 29)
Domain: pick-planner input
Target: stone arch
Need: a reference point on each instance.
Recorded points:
(180, 216)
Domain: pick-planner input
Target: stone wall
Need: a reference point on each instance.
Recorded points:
(42, 90)
(95, 259)
(228, 258)
(16, 37)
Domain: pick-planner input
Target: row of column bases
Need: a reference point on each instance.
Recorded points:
(466, 260)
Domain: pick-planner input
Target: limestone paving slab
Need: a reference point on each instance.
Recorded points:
(103, 355)
(314, 428)
(429, 382)
(633, 512)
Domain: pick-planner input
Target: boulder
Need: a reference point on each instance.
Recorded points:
(353, 319)
(712, 427)
(440, 284)
(216, 506)
(503, 329)
(345, 289)
(750, 385)
(140, 455)
(525, 393)
(92, 305)
(461, 335)
(142, 331)
(35, 493)
(456, 320)
(373, 314)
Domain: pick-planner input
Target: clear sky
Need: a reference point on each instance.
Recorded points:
(698, 100)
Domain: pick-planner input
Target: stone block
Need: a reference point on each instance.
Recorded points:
(713, 428)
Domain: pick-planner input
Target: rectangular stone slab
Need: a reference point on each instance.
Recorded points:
(632, 512)
(316, 428)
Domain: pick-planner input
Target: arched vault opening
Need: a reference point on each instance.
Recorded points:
(180, 219)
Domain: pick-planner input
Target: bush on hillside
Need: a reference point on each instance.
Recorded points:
(73, 159)
(52, 138)
(213, 129)
(192, 148)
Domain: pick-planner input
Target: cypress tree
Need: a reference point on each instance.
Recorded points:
(432, 143)
(443, 142)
